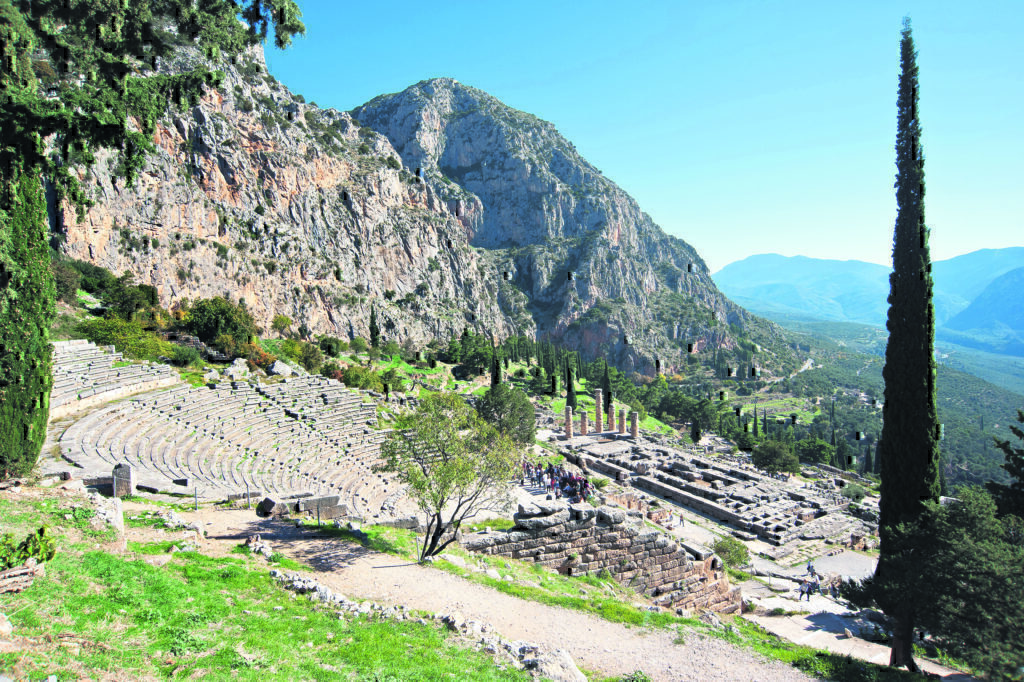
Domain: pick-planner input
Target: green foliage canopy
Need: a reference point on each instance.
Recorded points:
(454, 464)
(211, 319)
(510, 412)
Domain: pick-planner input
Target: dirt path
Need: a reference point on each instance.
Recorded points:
(595, 644)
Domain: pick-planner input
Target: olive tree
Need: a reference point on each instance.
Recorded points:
(454, 463)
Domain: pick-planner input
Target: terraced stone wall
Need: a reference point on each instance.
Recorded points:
(580, 539)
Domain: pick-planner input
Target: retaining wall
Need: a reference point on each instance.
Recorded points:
(580, 540)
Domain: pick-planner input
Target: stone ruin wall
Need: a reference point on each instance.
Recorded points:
(581, 539)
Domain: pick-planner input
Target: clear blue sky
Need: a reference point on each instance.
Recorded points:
(741, 127)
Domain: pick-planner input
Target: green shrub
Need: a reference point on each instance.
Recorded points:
(38, 545)
(211, 319)
(361, 377)
(733, 552)
(186, 356)
(310, 356)
(333, 346)
(854, 492)
(358, 345)
(127, 336)
(95, 280)
(67, 280)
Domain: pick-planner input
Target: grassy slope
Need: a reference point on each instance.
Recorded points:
(101, 614)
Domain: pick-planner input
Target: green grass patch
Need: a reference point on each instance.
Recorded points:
(216, 619)
(493, 524)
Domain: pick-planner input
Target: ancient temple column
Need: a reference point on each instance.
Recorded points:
(611, 416)
(598, 407)
(568, 422)
(583, 422)
(634, 424)
(622, 421)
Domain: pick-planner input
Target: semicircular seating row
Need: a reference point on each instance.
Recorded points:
(309, 434)
(84, 373)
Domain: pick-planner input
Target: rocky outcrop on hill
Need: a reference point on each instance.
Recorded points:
(599, 274)
(439, 206)
(256, 195)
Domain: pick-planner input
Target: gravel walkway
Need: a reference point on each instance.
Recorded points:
(596, 645)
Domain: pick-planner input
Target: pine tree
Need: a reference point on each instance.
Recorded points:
(374, 329)
(1010, 498)
(909, 449)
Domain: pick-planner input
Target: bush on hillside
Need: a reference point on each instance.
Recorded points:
(126, 336)
(733, 552)
(310, 356)
(67, 280)
(361, 377)
(256, 356)
(214, 320)
(854, 492)
(94, 279)
(358, 345)
(393, 379)
(186, 356)
(333, 346)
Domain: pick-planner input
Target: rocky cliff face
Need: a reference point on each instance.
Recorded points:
(255, 194)
(439, 206)
(596, 269)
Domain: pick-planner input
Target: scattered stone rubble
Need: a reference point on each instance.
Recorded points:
(556, 665)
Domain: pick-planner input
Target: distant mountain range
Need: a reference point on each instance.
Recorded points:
(979, 296)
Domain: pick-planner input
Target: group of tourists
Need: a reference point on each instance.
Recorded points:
(557, 480)
(812, 585)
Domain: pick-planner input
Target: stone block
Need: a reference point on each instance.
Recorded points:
(541, 522)
(610, 515)
(311, 503)
(123, 480)
(582, 512)
(338, 511)
(271, 506)
(528, 511)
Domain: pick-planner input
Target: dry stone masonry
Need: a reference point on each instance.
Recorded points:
(580, 539)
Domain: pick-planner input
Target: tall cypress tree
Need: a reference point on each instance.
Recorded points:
(570, 387)
(374, 329)
(606, 385)
(909, 449)
(495, 365)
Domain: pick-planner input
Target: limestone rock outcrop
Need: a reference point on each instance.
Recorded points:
(439, 206)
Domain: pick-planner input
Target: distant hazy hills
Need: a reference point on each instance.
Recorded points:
(979, 297)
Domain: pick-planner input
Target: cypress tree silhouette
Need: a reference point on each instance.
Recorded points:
(908, 451)
(374, 329)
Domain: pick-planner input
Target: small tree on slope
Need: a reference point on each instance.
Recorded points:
(454, 464)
